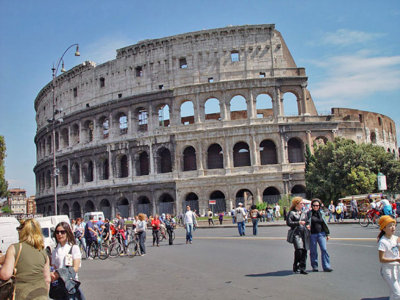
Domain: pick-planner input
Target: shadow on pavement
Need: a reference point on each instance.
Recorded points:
(272, 274)
(379, 298)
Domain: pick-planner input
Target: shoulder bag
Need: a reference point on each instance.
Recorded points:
(290, 236)
(7, 287)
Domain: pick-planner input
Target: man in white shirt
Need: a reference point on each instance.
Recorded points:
(190, 222)
(240, 215)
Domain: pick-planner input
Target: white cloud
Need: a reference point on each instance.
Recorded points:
(352, 77)
(104, 49)
(345, 37)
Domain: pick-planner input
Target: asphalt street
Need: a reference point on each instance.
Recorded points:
(222, 265)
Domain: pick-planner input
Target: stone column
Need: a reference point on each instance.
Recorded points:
(284, 149)
(198, 110)
(151, 158)
(227, 157)
(304, 101)
(251, 108)
(255, 158)
(199, 158)
(110, 164)
(277, 102)
(309, 141)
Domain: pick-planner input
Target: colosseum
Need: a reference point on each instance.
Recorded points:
(196, 118)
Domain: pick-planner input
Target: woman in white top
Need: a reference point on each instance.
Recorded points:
(66, 254)
(389, 255)
(140, 229)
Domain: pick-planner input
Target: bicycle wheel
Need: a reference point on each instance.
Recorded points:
(115, 250)
(103, 252)
(132, 248)
(93, 250)
(364, 220)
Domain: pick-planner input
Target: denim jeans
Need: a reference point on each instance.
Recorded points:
(319, 238)
(330, 216)
(189, 232)
(255, 226)
(241, 228)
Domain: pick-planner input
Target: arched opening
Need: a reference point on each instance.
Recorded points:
(122, 123)
(104, 169)
(123, 207)
(163, 116)
(373, 137)
(238, 108)
(220, 203)
(75, 176)
(212, 109)
(48, 179)
(290, 107)
(64, 138)
(245, 197)
(65, 209)
(104, 127)
(88, 128)
(241, 155)
(142, 119)
(57, 141)
(192, 200)
(88, 171)
(64, 175)
(189, 159)
(75, 134)
(268, 152)
(264, 106)
(123, 170)
(295, 150)
(105, 207)
(187, 113)
(143, 168)
(165, 163)
(76, 210)
(215, 157)
(271, 195)
(298, 191)
(166, 204)
(89, 206)
(49, 144)
(144, 206)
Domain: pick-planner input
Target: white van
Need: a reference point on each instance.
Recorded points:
(48, 225)
(96, 214)
(8, 232)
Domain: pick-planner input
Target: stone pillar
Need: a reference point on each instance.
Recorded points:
(304, 101)
(110, 164)
(151, 124)
(151, 158)
(69, 173)
(198, 110)
(277, 102)
(284, 149)
(199, 158)
(251, 107)
(228, 156)
(309, 141)
(131, 208)
(255, 158)
(225, 109)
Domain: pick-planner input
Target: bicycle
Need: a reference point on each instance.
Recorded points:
(368, 217)
(99, 249)
(116, 247)
(133, 247)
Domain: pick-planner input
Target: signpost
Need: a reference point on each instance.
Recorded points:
(382, 182)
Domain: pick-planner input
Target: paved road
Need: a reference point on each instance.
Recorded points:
(222, 265)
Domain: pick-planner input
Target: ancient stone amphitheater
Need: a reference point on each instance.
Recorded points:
(196, 118)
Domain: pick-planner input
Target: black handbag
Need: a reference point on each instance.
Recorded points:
(290, 236)
(7, 287)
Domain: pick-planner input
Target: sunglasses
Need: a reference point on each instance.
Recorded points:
(315, 205)
(60, 232)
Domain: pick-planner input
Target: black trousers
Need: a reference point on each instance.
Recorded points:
(169, 231)
(300, 257)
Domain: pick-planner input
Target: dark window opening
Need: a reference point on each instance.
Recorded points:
(183, 63)
(210, 79)
(119, 95)
(268, 152)
(295, 151)
(139, 71)
(161, 87)
(360, 117)
(143, 164)
(102, 82)
(215, 157)
(380, 121)
(189, 159)
(165, 163)
(241, 155)
(262, 74)
(123, 164)
(75, 92)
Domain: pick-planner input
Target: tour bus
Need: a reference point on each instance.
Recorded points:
(48, 225)
(96, 216)
(8, 232)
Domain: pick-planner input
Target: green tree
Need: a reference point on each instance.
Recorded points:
(3, 182)
(6, 209)
(342, 168)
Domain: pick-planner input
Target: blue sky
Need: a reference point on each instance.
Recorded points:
(350, 50)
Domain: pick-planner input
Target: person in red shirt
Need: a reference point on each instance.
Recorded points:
(155, 225)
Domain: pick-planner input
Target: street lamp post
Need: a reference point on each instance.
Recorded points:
(53, 121)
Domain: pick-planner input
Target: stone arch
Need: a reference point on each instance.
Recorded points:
(241, 155)
(187, 112)
(373, 137)
(144, 205)
(75, 134)
(64, 175)
(295, 150)
(268, 154)
(57, 141)
(166, 204)
(87, 171)
(64, 138)
(65, 209)
(298, 191)
(290, 104)
(48, 179)
(122, 166)
(76, 210)
(104, 127)
(215, 157)
(142, 119)
(122, 207)
(244, 196)
(192, 200)
(104, 168)
(89, 206)
(264, 107)
(238, 108)
(122, 119)
(49, 145)
(320, 141)
(271, 195)
(105, 207)
(88, 131)
(164, 160)
(143, 164)
(212, 109)
(75, 173)
(163, 115)
(220, 202)
(189, 159)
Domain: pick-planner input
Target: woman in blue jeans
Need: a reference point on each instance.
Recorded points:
(319, 235)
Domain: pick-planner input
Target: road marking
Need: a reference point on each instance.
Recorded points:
(264, 238)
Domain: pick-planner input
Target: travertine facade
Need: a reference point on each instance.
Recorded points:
(184, 120)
